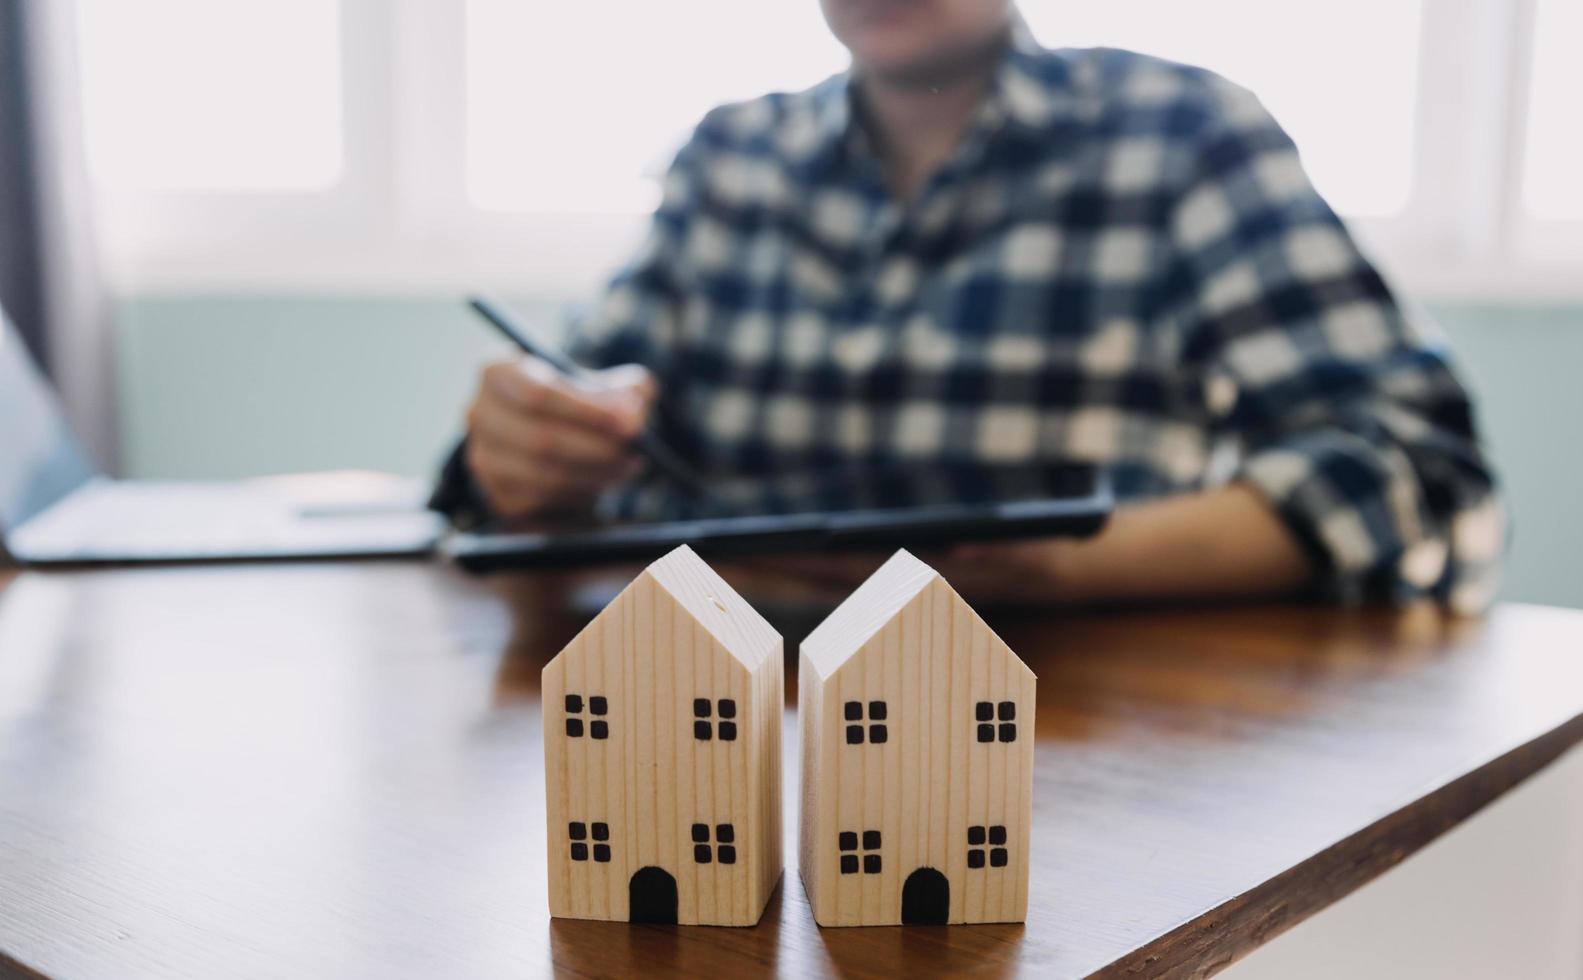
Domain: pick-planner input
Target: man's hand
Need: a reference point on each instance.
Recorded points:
(539, 442)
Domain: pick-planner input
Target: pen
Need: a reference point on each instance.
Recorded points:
(646, 442)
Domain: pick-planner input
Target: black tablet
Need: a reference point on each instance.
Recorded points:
(1077, 515)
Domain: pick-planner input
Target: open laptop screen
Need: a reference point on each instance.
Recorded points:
(40, 459)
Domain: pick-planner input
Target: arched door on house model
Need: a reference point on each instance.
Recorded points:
(925, 898)
(651, 896)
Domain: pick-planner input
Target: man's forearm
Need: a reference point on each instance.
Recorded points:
(1219, 543)
(1223, 542)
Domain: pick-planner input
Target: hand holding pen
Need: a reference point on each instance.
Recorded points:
(545, 434)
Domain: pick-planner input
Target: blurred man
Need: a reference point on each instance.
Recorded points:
(968, 256)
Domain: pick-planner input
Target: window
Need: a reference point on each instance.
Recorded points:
(1353, 123)
(196, 95)
(879, 734)
(579, 832)
(597, 706)
(986, 712)
(1554, 157)
(531, 146)
(371, 146)
(850, 858)
(703, 724)
(995, 836)
(725, 837)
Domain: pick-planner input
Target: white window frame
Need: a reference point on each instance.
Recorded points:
(399, 219)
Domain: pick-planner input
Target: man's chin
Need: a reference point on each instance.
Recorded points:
(929, 69)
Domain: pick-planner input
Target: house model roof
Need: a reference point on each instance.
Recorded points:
(713, 605)
(865, 612)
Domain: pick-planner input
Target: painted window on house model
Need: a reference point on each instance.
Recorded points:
(988, 841)
(876, 730)
(724, 841)
(868, 861)
(706, 727)
(579, 832)
(596, 708)
(986, 713)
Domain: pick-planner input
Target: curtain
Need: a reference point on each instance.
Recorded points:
(21, 264)
(49, 252)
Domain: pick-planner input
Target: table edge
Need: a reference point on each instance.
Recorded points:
(1217, 938)
(10, 966)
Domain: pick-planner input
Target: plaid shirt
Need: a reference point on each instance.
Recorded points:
(1123, 264)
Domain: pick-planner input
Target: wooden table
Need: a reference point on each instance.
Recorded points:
(300, 770)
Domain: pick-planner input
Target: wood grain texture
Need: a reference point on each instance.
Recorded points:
(930, 804)
(629, 782)
(337, 770)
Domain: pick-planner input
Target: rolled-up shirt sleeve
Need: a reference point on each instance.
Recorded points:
(1351, 422)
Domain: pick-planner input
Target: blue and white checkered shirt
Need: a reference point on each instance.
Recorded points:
(1123, 264)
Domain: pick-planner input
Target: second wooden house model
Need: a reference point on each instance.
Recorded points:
(917, 759)
(662, 724)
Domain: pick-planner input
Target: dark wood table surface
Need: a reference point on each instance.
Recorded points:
(335, 769)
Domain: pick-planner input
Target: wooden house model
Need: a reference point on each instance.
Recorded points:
(662, 755)
(917, 759)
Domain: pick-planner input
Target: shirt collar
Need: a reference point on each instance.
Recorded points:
(816, 137)
(1030, 90)
(1031, 87)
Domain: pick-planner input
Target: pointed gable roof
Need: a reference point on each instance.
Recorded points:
(893, 587)
(715, 606)
(866, 611)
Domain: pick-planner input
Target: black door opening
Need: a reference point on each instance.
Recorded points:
(651, 897)
(925, 899)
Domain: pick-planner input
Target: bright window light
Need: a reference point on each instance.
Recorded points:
(1554, 158)
(577, 107)
(201, 95)
(1340, 76)
(580, 106)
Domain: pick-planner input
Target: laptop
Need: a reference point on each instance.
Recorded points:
(57, 508)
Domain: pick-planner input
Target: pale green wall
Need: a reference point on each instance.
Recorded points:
(235, 386)
(219, 387)
(1526, 367)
